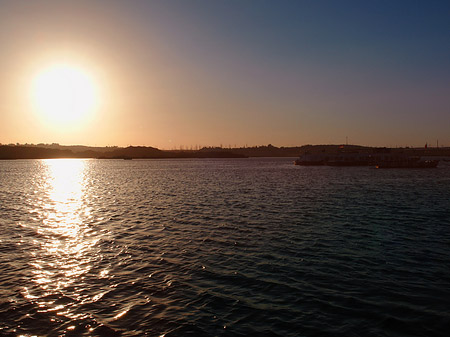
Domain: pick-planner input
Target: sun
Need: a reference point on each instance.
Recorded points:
(64, 94)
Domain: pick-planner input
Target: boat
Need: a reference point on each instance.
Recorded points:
(350, 159)
(379, 159)
(309, 159)
(334, 159)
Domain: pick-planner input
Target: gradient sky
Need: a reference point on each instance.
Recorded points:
(190, 73)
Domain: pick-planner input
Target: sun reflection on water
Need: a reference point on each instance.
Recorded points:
(63, 247)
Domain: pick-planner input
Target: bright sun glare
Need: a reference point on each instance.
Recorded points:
(64, 94)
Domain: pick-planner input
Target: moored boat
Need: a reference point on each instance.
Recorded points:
(349, 159)
(334, 159)
(309, 159)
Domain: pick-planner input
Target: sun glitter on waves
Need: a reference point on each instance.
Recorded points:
(64, 94)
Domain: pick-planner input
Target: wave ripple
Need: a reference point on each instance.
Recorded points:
(222, 248)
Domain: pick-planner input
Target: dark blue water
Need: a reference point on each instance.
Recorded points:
(222, 248)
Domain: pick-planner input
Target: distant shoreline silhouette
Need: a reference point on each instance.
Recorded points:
(49, 151)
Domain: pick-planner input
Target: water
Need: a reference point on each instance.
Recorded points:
(231, 247)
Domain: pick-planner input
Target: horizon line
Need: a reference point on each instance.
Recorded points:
(229, 147)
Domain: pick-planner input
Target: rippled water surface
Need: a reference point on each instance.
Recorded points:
(233, 247)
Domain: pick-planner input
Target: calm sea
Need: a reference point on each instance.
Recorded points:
(233, 247)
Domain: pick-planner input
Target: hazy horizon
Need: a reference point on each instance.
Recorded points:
(168, 74)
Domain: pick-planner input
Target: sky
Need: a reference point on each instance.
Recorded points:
(234, 73)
